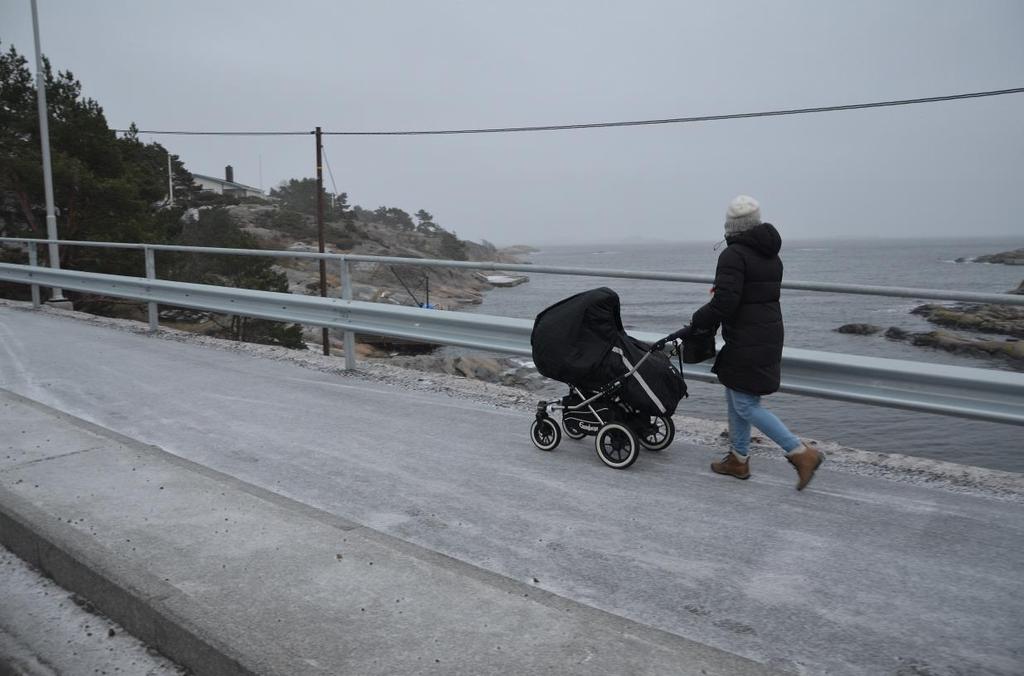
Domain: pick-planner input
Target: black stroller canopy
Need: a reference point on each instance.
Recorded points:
(572, 338)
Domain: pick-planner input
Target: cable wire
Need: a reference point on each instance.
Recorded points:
(217, 133)
(330, 173)
(605, 125)
(683, 120)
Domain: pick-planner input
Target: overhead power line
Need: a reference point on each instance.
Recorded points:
(218, 133)
(603, 125)
(683, 120)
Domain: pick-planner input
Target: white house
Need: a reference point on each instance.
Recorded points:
(226, 185)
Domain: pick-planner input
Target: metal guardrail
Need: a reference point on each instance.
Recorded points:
(345, 259)
(981, 394)
(497, 334)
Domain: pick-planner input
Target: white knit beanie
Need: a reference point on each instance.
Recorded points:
(743, 214)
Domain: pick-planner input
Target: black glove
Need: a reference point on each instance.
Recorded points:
(681, 334)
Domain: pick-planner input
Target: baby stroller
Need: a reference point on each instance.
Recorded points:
(621, 390)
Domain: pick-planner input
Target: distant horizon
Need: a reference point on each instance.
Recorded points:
(641, 240)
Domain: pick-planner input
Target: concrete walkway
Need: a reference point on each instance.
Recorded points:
(229, 579)
(856, 575)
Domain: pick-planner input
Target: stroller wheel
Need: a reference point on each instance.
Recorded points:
(544, 434)
(572, 430)
(658, 433)
(617, 445)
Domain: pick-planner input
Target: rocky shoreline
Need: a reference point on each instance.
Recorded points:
(1001, 329)
(1007, 350)
(410, 285)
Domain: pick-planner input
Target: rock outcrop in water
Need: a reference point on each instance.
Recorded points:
(896, 333)
(1015, 257)
(1007, 350)
(1005, 320)
(989, 318)
(1010, 349)
(859, 329)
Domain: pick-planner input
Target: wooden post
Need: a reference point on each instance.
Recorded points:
(320, 228)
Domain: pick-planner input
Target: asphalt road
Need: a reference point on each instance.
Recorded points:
(853, 575)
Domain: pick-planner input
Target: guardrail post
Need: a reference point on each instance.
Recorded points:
(349, 339)
(33, 260)
(154, 317)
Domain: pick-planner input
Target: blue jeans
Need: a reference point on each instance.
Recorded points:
(745, 410)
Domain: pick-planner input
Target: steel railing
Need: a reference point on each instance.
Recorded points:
(825, 287)
(981, 394)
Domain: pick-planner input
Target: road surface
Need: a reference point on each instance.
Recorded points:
(855, 575)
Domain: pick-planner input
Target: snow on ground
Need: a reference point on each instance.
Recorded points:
(1007, 486)
(45, 629)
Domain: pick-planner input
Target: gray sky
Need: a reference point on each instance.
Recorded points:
(946, 169)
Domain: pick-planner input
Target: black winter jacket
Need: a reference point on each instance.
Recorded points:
(746, 303)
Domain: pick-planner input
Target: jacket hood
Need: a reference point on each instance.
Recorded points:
(764, 239)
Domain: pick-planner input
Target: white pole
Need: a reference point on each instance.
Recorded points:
(44, 140)
(170, 181)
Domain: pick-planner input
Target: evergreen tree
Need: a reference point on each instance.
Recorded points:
(104, 187)
(114, 189)
(216, 229)
(394, 216)
(299, 195)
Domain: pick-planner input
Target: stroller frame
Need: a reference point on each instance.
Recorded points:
(619, 433)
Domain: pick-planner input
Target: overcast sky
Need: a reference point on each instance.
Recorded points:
(945, 169)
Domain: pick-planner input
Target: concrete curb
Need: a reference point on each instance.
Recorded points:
(140, 602)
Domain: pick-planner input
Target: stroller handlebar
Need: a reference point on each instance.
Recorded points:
(681, 333)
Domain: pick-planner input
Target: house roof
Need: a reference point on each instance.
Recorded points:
(229, 184)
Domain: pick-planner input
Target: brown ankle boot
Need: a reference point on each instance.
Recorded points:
(806, 461)
(733, 466)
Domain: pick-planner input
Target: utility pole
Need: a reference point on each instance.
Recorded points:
(170, 181)
(320, 228)
(44, 141)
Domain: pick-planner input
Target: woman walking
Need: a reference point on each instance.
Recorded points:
(745, 303)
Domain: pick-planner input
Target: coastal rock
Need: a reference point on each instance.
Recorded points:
(896, 333)
(504, 280)
(859, 329)
(519, 250)
(990, 318)
(1006, 320)
(1010, 349)
(1015, 257)
(392, 345)
(500, 370)
(447, 289)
